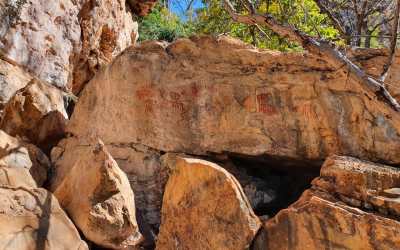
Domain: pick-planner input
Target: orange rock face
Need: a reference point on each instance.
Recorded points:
(36, 113)
(217, 95)
(353, 205)
(204, 208)
(373, 60)
(142, 7)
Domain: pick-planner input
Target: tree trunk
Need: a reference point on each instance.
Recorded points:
(368, 39)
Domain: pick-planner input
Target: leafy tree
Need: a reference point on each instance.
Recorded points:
(304, 14)
(360, 20)
(162, 24)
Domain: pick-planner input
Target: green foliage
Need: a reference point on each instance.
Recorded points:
(212, 18)
(303, 14)
(161, 24)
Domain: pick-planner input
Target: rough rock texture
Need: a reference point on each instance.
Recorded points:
(107, 28)
(21, 164)
(373, 61)
(361, 184)
(64, 42)
(33, 219)
(148, 174)
(141, 7)
(12, 79)
(104, 210)
(204, 207)
(217, 95)
(37, 113)
(353, 205)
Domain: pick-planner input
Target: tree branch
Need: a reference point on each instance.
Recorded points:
(335, 22)
(322, 48)
(393, 44)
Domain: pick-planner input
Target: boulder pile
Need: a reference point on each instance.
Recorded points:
(203, 144)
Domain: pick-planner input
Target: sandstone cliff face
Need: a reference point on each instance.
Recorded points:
(352, 205)
(268, 118)
(64, 42)
(217, 95)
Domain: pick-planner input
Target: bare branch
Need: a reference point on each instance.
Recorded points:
(335, 22)
(322, 48)
(393, 44)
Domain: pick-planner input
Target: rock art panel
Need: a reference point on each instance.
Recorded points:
(218, 95)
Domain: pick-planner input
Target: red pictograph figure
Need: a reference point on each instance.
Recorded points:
(263, 104)
(306, 110)
(175, 96)
(195, 90)
(144, 93)
(148, 106)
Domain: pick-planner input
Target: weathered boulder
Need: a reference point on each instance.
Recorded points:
(33, 219)
(361, 183)
(352, 205)
(64, 42)
(36, 112)
(218, 95)
(12, 79)
(21, 164)
(104, 210)
(204, 207)
(141, 7)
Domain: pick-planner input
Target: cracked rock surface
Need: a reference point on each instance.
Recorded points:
(354, 204)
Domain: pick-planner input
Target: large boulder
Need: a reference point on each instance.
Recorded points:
(32, 219)
(37, 113)
(353, 205)
(21, 164)
(204, 207)
(64, 42)
(12, 79)
(104, 210)
(218, 95)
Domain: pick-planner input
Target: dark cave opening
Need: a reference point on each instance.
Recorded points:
(271, 184)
